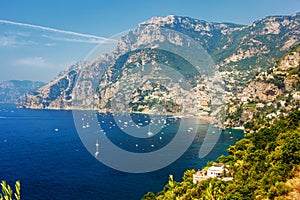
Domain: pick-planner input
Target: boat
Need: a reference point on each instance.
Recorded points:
(150, 134)
(97, 149)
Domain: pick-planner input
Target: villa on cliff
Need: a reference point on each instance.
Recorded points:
(215, 171)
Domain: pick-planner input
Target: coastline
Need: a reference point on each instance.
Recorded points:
(175, 115)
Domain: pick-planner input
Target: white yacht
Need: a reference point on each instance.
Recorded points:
(97, 149)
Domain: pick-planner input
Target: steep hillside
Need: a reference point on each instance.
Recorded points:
(270, 94)
(76, 83)
(156, 84)
(263, 165)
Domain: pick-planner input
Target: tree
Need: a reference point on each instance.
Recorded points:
(188, 175)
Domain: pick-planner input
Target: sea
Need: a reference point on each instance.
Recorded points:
(43, 149)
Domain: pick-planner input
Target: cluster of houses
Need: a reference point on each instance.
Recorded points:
(215, 171)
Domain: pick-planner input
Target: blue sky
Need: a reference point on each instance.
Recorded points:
(36, 54)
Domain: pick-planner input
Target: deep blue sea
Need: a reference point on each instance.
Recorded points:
(42, 149)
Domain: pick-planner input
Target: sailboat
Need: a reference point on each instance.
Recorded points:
(150, 134)
(97, 149)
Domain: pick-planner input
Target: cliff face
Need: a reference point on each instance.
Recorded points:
(79, 82)
(239, 52)
(270, 94)
(155, 87)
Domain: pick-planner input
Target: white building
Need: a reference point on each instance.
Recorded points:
(211, 172)
(296, 95)
(215, 171)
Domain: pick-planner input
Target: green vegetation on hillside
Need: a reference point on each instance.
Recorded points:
(270, 94)
(161, 57)
(261, 164)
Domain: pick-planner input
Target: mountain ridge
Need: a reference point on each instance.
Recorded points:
(239, 51)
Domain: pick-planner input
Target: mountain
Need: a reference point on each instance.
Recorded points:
(236, 54)
(13, 91)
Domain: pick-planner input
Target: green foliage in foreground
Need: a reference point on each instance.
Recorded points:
(261, 164)
(7, 192)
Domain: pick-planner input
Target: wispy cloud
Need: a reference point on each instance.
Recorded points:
(31, 62)
(10, 41)
(72, 39)
(49, 44)
(7, 41)
(79, 37)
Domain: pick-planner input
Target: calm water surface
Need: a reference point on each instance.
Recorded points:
(43, 150)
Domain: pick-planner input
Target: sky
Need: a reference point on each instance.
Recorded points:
(38, 39)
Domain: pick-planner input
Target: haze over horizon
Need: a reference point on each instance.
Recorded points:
(40, 39)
